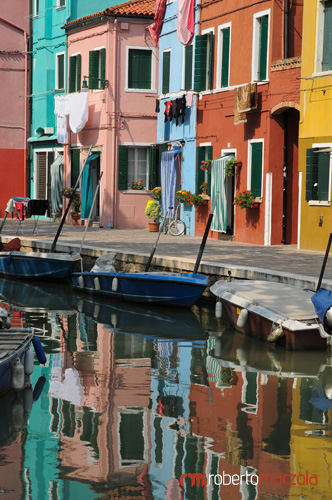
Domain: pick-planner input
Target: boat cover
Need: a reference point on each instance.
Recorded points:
(322, 301)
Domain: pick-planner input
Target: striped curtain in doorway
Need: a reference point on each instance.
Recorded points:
(218, 183)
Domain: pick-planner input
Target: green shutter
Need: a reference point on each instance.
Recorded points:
(188, 68)
(200, 156)
(93, 69)
(311, 191)
(200, 64)
(133, 69)
(152, 167)
(225, 57)
(123, 168)
(323, 176)
(72, 74)
(166, 72)
(263, 39)
(145, 73)
(256, 168)
(327, 46)
(75, 166)
(210, 61)
(61, 71)
(78, 72)
(102, 66)
(139, 74)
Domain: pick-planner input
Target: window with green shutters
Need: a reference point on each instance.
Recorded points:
(188, 67)
(260, 48)
(317, 175)
(224, 56)
(166, 72)
(74, 81)
(203, 64)
(140, 69)
(256, 166)
(327, 37)
(203, 153)
(139, 163)
(97, 60)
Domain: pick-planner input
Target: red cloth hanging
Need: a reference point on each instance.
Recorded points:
(155, 28)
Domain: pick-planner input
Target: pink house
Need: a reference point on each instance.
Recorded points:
(14, 65)
(112, 55)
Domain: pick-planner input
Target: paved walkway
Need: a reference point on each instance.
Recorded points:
(277, 263)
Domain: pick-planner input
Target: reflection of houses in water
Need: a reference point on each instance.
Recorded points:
(103, 383)
(11, 448)
(311, 434)
(237, 408)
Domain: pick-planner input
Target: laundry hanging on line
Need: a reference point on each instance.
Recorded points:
(76, 107)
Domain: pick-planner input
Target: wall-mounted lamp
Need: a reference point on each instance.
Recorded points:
(104, 83)
(40, 131)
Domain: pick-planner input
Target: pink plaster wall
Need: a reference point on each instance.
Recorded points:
(14, 25)
(116, 116)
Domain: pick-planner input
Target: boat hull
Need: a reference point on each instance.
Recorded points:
(269, 307)
(13, 343)
(34, 265)
(181, 290)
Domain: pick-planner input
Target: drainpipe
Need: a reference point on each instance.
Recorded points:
(114, 116)
(284, 199)
(29, 103)
(286, 15)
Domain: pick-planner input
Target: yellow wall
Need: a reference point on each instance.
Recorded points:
(310, 451)
(315, 127)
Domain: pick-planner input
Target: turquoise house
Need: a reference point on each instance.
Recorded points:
(176, 82)
(49, 71)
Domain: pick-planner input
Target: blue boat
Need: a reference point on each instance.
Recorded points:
(38, 265)
(171, 289)
(150, 322)
(14, 345)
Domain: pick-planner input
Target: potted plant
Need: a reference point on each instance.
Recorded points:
(153, 212)
(75, 214)
(205, 165)
(137, 185)
(203, 187)
(188, 198)
(230, 166)
(244, 199)
(156, 193)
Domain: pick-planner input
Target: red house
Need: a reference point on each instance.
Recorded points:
(248, 108)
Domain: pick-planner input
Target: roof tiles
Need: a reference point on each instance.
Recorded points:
(133, 8)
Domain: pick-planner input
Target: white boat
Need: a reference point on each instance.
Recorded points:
(272, 311)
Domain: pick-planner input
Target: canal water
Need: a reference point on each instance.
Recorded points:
(160, 404)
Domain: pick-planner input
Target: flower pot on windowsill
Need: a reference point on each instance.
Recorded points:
(255, 204)
(154, 226)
